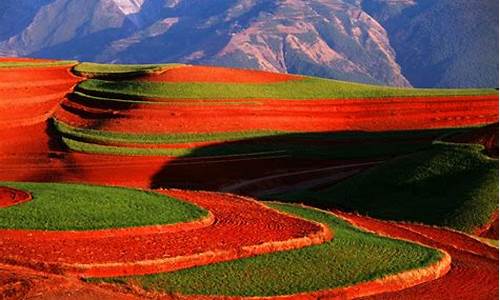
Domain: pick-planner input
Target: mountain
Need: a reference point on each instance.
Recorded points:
(424, 43)
(442, 43)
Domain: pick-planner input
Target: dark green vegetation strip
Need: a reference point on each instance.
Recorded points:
(114, 70)
(29, 64)
(58, 206)
(100, 136)
(309, 88)
(330, 145)
(353, 256)
(453, 185)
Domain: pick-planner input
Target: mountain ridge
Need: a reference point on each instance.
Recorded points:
(398, 43)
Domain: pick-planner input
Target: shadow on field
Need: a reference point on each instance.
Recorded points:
(267, 167)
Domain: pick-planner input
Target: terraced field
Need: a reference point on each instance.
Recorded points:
(169, 131)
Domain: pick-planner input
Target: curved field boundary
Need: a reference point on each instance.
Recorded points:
(342, 283)
(454, 238)
(11, 196)
(390, 283)
(244, 226)
(468, 268)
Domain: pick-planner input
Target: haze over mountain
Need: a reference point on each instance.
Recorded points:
(424, 43)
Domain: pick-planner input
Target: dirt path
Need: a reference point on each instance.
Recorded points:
(255, 184)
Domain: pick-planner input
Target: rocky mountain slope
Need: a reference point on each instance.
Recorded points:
(446, 43)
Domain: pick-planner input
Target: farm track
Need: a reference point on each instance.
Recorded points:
(474, 267)
(302, 177)
(241, 228)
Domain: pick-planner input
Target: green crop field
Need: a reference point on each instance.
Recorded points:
(453, 185)
(308, 88)
(57, 206)
(353, 256)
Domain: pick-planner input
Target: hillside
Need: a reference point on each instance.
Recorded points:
(136, 182)
(419, 43)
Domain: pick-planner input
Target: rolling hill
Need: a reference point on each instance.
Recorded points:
(134, 182)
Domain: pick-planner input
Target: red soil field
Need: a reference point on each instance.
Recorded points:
(310, 115)
(10, 196)
(24, 76)
(19, 95)
(23, 283)
(217, 74)
(474, 266)
(34, 93)
(242, 228)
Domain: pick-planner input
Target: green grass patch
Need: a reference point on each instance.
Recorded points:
(57, 206)
(309, 88)
(21, 64)
(318, 145)
(453, 185)
(114, 71)
(353, 256)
